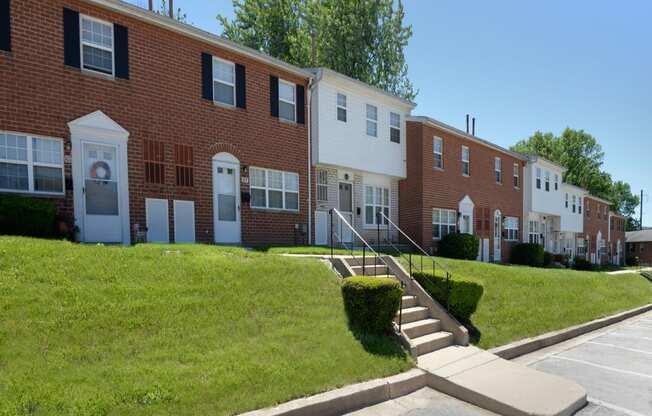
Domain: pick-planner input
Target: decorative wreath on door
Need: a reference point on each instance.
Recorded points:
(101, 170)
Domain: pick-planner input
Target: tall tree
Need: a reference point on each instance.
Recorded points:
(582, 156)
(364, 39)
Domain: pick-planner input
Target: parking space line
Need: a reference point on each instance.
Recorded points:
(619, 347)
(613, 407)
(604, 367)
(614, 334)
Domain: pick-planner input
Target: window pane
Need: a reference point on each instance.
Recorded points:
(224, 71)
(341, 100)
(372, 112)
(436, 216)
(47, 151)
(98, 59)
(386, 212)
(101, 197)
(97, 33)
(226, 207)
(395, 120)
(371, 128)
(13, 176)
(48, 179)
(369, 195)
(291, 182)
(13, 147)
(369, 214)
(257, 177)
(378, 197)
(258, 198)
(286, 111)
(223, 93)
(395, 135)
(341, 114)
(438, 161)
(386, 196)
(291, 200)
(437, 145)
(275, 199)
(286, 92)
(275, 179)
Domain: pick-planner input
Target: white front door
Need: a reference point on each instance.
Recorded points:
(101, 202)
(346, 209)
(321, 228)
(498, 229)
(226, 201)
(156, 215)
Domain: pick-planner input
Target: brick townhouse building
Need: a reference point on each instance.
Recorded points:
(596, 229)
(137, 125)
(639, 244)
(617, 238)
(459, 182)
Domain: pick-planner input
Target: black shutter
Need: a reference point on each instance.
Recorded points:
(5, 29)
(71, 38)
(121, 40)
(301, 104)
(240, 86)
(273, 95)
(207, 76)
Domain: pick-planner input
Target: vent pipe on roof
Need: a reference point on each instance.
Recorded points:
(172, 9)
(150, 5)
(467, 124)
(473, 127)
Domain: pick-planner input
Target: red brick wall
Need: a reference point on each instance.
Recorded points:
(595, 221)
(161, 101)
(617, 232)
(641, 250)
(427, 187)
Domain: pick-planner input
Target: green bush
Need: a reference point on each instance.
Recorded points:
(371, 303)
(459, 246)
(464, 295)
(561, 259)
(547, 259)
(633, 261)
(580, 263)
(31, 217)
(527, 254)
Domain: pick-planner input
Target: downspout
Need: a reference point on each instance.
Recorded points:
(311, 85)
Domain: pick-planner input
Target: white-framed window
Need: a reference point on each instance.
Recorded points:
(533, 232)
(223, 81)
(466, 161)
(443, 222)
(438, 152)
(566, 201)
(395, 127)
(341, 107)
(579, 204)
(30, 164)
(581, 249)
(547, 181)
(517, 175)
(574, 204)
(511, 228)
(287, 107)
(322, 185)
(96, 43)
(498, 170)
(538, 178)
(274, 189)
(556, 182)
(376, 199)
(372, 120)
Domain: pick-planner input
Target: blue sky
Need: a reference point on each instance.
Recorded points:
(521, 66)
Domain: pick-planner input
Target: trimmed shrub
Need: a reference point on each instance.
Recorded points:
(464, 295)
(547, 259)
(527, 254)
(31, 217)
(580, 263)
(561, 259)
(371, 303)
(459, 246)
(633, 261)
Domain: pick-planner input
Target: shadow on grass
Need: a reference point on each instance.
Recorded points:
(379, 344)
(474, 332)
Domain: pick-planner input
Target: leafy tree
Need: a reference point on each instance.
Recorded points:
(364, 39)
(582, 156)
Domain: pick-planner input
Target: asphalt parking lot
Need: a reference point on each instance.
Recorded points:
(613, 364)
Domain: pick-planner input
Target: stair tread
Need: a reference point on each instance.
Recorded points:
(435, 336)
(421, 322)
(408, 297)
(414, 309)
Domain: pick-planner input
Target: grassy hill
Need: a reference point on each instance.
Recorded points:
(162, 329)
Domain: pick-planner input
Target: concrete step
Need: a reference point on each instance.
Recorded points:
(433, 342)
(409, 301)
(415, 313)
(420, 328)
(369, 260)
(370, 270)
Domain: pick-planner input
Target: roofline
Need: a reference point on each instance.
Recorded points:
(443, 126)
(536, 158)
(615, 214)
(604, 201)
(576, 187)
(320, 71)
(185, 29)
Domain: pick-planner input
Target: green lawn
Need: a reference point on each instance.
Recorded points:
(520, 302)
(180, 330)
(320, 250)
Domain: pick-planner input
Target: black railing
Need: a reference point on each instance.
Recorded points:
(367, 251)
(381, 218)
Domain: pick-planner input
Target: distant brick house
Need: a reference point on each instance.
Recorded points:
(596, 229)
(137, 125)
(458, 182)
(617, 238)
(639, 244)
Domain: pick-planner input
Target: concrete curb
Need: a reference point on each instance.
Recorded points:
(528, 345)
(350, 398)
